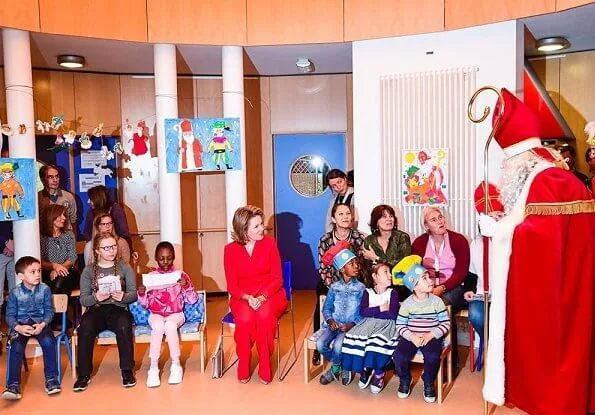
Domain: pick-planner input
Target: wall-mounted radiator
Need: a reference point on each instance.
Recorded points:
(429, 110)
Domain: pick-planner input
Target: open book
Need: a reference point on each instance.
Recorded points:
(109, 284)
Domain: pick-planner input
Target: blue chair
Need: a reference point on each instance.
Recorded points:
(61, 307)
(228, 321)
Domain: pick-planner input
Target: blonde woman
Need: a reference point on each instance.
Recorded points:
(255, 284)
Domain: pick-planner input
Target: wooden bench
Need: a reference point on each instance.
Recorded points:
(189, 332)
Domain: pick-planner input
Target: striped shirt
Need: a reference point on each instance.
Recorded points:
(420, 317)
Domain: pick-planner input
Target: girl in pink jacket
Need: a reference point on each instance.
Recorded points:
(166, 305)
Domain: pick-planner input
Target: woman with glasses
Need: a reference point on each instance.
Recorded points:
(104, 224)
(58, 251)
(101, 202)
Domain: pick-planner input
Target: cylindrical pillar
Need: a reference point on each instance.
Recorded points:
(166, 106)
(233, 107)
(18, 80)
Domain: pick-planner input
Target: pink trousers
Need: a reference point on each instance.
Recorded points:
(169, 326)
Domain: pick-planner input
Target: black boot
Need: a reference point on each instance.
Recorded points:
(19, 214)
(228, 166)
(315, 358)
(218, 167)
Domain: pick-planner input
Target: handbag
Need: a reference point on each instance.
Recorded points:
(217, 361)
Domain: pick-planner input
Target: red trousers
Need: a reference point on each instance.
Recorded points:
(257, 326)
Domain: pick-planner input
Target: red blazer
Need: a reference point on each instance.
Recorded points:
(460, 249)
(254, 275)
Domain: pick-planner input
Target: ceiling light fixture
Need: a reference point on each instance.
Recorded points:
(552, 44)
(71, 61)
(304, 65)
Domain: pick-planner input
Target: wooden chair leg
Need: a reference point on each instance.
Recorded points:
(449, 367)
(279, 375)
(440, 382)
(471, 348)
(306, 362)
(203, 345)
(73, 363)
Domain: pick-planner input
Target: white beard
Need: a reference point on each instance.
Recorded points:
(516, 170)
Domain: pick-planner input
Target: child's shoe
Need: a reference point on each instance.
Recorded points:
(377, 384)
(404, 388)
(364, 378)
(346, 377)
(429, 393)
(330, 375)
(153, 380)
(128, 379)
(175, 374)
(81, 384)
(12, 393)
(52, 387)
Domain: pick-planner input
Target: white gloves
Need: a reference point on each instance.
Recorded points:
(487, 225)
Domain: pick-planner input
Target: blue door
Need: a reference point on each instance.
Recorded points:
(302, 198)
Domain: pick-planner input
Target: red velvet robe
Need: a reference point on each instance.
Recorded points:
(549, 341)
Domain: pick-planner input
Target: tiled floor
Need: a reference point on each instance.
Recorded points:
(199, 393)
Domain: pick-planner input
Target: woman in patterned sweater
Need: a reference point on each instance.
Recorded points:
(342, 219)
(58, 251)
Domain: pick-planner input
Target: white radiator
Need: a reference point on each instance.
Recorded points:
(429, 110)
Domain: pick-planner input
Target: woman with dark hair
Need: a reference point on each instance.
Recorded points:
(101, 203)
(58, 251)
(386, 243)
(255, 285)
(342, 230)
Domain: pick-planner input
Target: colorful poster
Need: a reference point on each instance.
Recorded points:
(425, 177)
(18, 188)
(202, 144)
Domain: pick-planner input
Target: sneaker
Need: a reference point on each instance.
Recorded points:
(328, 376)
(12, 393)
(377, 384)
(128, 379)
(81, 384)
(364, 378)
(52, 387)
(315, 358)
(404, 388)
(429, 393)
(346, 377)
(175, 374)
(153, 380)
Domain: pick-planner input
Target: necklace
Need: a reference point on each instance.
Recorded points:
(341, 239)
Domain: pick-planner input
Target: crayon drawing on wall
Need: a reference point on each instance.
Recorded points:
(202, 144)
(425, 177)
(18, 188)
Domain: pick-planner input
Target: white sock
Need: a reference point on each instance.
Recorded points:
(175, 362)
(154, 364)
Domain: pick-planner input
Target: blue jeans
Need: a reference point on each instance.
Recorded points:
(476, 316)
(323, 344)
(18, 342)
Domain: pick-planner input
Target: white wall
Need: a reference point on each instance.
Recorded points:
(496, 49)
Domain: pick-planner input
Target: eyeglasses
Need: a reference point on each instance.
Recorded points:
(109, 248)
(106, 224)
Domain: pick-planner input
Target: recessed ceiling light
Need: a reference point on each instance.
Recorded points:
(71, 61)
(552, 44)
(304, 65)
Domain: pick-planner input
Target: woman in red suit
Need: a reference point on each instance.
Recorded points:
(255, 284)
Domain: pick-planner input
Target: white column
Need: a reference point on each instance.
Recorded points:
(166, 106)
(233, 107)
(19, 108)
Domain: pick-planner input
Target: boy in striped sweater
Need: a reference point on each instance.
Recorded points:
(422, 323)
